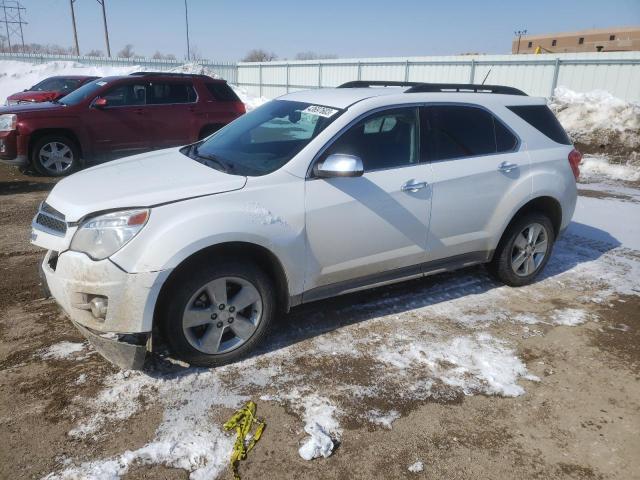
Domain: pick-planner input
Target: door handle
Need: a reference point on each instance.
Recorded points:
(506, 167)
(413, 187)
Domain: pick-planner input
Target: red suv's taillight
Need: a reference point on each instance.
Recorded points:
(575, 157)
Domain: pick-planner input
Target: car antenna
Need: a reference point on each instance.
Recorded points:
(485, 77)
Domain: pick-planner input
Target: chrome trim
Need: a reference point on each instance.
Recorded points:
(47, 211)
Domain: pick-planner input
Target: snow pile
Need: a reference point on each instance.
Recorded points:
(479, 364)
(250, 102)
(416, 467)
(599, 167)
(61, 350)
(195, 68)
(318, 444)
(597, 121)
(18, 76)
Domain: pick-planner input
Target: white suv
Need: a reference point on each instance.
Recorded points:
(315, 194)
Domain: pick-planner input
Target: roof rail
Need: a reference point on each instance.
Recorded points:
(169, 74)
(377, 83)
(416, 87)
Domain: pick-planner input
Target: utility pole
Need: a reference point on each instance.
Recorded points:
(519, 33)
(13, 23)
(75, 31)
(186, 18)
(106, 30)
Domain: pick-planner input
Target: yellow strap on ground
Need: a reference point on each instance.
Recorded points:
(242, 421)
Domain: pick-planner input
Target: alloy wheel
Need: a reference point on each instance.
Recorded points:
(529, 250)
(222, 315)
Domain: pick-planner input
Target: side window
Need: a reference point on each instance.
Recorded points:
(124, 95)
(452, 131)
(167, 93)
(222, 92)
(384, 140)
(542, 118)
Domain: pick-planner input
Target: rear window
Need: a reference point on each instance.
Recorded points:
(222, 92)
(450, 131)
(542, 118)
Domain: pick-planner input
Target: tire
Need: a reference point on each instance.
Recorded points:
(192, 319)
(517, 261)
(55, 156)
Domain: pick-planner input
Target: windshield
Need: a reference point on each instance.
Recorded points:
(263, 140)
(86, 91)
(55, 85)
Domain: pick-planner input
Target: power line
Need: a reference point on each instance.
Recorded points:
(13, 22)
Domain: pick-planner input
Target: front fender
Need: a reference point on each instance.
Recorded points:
(272, 218)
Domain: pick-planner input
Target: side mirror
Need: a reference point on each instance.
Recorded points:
(100, 102)
(339, 165)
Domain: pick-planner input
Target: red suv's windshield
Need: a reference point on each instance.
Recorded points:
(55, 85)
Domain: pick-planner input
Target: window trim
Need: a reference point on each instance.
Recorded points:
(515, 149)
(343, 130)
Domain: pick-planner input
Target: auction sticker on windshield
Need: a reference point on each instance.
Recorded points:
(321, 111)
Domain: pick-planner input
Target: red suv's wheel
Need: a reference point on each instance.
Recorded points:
(55, 156)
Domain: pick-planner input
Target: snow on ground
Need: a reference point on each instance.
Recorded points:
(61, 350)
(416, 467)
(600, 167)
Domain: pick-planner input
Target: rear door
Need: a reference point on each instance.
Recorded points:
(173, 113)
(371, 227)
(477, 163)
(122, 127)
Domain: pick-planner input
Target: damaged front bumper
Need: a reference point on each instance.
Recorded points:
(112, 308)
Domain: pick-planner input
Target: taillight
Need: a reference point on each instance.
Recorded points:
(575, 157)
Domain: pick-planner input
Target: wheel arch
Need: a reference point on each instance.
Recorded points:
(546, 205)
(43, 132)
(262, 256)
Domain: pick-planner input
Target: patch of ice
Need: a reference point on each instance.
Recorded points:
(82, 378)
(61, 350)
(478, 364)
(383, 419)
(569, 317)
(416, 467)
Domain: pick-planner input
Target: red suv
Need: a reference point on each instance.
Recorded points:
(114, 117)
(49, 89)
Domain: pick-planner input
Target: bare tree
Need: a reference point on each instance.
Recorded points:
(95, 53)
(127, 51)
(259, 55)
(314, 56)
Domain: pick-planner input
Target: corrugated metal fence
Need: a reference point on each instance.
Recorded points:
(616, 72)
(227, 70)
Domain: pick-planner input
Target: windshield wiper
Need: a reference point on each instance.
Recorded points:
(213, 159)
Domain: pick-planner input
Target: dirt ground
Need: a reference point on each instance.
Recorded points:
(580, 420)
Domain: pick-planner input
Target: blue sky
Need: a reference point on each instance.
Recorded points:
(226, 30)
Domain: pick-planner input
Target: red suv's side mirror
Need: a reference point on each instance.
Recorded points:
(100, 102)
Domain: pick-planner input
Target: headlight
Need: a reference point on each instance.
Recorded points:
(8, 122)
(102, 236)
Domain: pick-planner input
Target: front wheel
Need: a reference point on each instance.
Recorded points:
(524, 250)
(55, 156)
(217, 314)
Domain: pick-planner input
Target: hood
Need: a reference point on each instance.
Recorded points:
(140, 181)
(32, 107)
(34, 96)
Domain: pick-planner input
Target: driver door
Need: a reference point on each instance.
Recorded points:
(373, 228)
(121, 127)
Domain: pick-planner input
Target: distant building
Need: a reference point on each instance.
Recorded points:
(623, 39)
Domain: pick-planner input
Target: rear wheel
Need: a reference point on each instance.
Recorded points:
(218, 314)
(524, 250)
(55, 156)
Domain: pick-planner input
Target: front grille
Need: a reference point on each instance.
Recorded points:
(51, 219)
